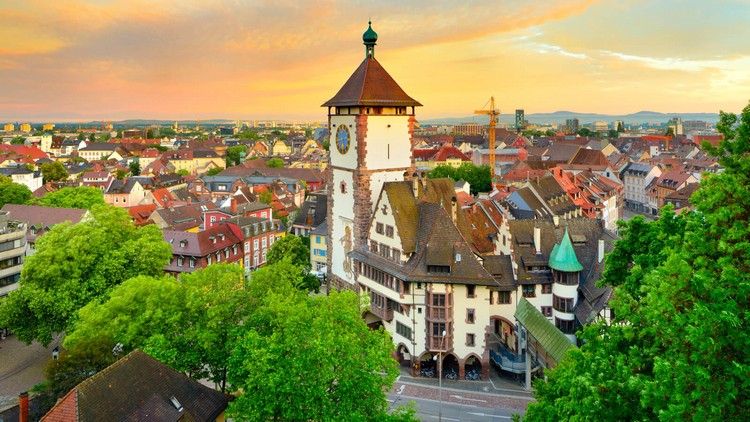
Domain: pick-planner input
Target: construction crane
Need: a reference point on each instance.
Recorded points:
(493, 113)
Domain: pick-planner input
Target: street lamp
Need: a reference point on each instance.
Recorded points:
(440, 376)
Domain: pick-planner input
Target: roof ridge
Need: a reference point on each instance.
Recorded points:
(114, 364)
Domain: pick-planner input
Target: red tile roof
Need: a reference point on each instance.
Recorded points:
(371, 85)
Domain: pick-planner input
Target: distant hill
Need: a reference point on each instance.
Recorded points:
(562, 116)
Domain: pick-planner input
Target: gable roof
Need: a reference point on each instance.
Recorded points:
(138, 387)
(40, 216)
(552, 340)
(371, 85)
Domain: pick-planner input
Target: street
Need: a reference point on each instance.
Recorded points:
(430, 410)
(21, 367)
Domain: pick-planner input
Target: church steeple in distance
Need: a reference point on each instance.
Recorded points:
(370, 38)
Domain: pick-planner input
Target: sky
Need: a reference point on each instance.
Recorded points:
(281, 59)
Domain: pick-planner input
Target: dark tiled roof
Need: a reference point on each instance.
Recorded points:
(138, 387)
(192, 213)
(205, 242)
(316, 205)
(371, 85)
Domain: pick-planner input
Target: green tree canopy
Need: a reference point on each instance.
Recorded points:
(477, 176)
(135, 168)
(77, 263)
(235, 155)
(187, 324)
(54, 171)
(13, 193)
(295, 250)
(584, 131)
(214, 171)
(18, 140)
(72, 197)
(275, 163)
(679, 347)
(312, 358)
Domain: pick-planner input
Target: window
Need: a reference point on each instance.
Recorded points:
(403, 330)
(264, 242)
(470, 340)
(389, 231)
(263, 215)
(179, 261)
(264, 256)
(470, 291)
(562, 304)
(209, 259)
(438, 300)
(566, 326)
(379, 228)
(271, 239)
(213, 218)
(247, 246)
(469, 316)
(385, 251)
(192, 262)
(343, 187)
(255, 244)
(226, 253)
(373, 246)
(529, 290)
(438, 269)
(234, 249)
(396, 255)
(546, 288)
(419, 310)
(438, 328)
(547, 311)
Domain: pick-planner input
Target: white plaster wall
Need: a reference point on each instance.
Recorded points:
(387, 220)
(480, 304)
(348, 160)
(377, 180)
(388, 144)
(342, 216)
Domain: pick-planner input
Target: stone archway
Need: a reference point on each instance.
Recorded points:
(472, 368)
(450, 366)
(403, 356)
(503, 330)
(427, 366)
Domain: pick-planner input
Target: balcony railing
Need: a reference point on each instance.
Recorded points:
(386, 314)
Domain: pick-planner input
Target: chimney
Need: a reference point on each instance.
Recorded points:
(415, 184)
(600, 252)
(454, 210)
(23, 407)
(538, 240)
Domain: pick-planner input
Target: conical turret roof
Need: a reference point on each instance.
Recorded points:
(563, 256)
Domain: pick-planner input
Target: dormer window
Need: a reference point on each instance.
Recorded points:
(212, 239)
(183, 243)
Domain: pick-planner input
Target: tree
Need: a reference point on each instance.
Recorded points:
(296, 250)
(248, 134)
(549, 132)
(72, 367)
(612, 133)
(120, 174)
(85, 197)
(135, 168)
(18, 140)
(312, 358)
(214, 171)
(275, 163)
(477, 176)
(678, 348)
(620, 127)
(266, 197)
(183, 172)
(669, 131)
(81, 137)
(584, 131)
(53, 172)
(235, 155)
(92, 137)
(188, 324)
(77, 263)
(13, 193)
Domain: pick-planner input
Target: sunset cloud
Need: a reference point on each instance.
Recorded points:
(76, 59)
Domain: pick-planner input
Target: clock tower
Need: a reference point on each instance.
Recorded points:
(371, 122)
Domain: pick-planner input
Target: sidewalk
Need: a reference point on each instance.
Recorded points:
(21, 366)
(496, 385)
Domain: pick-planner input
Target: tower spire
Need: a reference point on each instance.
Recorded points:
(370, 38)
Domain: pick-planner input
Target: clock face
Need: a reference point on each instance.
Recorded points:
(342, 139)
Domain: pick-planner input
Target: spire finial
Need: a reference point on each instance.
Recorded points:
(370, 38)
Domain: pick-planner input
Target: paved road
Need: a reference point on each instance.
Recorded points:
(458, 404)
(21, 366)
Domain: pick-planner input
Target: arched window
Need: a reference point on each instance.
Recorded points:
(343, 187)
